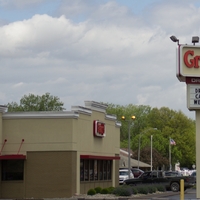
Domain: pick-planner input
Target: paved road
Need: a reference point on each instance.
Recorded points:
(189, 194)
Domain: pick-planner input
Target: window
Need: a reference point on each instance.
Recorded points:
(95, 170)
(86, 170)
(12, 170)
(91, 170)
(105, 170)
(109, 169)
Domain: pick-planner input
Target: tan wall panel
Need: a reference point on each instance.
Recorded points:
(116, 173)
(38, 135)
(12, 189)
(60, 134)
(50, 174)
(51, 168)
(88, 144)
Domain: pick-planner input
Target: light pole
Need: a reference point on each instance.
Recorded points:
(151, 150)
(139, 147)
(139, 151)
(129, 154)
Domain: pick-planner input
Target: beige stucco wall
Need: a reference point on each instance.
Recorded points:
(52, 138)
(88, 144)
(57, 134)
(46, 175)
(38, 134)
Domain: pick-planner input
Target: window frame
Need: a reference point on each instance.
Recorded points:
(100, 170)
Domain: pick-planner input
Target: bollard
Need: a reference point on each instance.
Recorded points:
(182, 189)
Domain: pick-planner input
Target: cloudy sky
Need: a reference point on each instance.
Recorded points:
(112, 51)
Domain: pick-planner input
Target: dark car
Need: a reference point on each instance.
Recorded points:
(137, 172)
(172, 173)
(194, 175)
(157, 177)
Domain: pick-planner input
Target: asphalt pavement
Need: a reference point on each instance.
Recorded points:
(190, 194)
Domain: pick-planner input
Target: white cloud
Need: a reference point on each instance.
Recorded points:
(110, 55)
(18, 85)
(19, 3)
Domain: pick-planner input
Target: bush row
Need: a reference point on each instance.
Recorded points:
(127, 190)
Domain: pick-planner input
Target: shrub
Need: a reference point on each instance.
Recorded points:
(123, 191)
(134, 190)
(98, 189)
(143, 190)
(104, 191)
(91, 192)
(161, 188)
(110, 190)
(152, 189)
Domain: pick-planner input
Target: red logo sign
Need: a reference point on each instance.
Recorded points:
(99, 129)
(193, 62)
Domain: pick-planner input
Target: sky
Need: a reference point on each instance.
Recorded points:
(111, 51)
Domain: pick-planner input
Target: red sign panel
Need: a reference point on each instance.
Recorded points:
(99, 129)
(192, 80)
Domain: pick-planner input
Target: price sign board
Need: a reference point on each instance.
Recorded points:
(193, 96)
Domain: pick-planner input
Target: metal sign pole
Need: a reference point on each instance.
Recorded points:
(197, 112)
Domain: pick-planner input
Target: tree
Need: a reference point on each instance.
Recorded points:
(158, 161)
(140, 112)
(176, 125)
(169, 124)
(32, 102)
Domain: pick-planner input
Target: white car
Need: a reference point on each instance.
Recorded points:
(123, 175)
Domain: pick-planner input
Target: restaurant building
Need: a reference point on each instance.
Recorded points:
(58, 154)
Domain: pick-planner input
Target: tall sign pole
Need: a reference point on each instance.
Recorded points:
(188, 71)
(170, 158)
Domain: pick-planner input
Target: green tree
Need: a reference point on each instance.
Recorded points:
(145, 156)
(174, 124)
(169, 124)
(140, 112)
(32, 102)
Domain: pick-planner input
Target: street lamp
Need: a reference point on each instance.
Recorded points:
(139, 147)
(174, 39)
(195, 39)
(129, 154)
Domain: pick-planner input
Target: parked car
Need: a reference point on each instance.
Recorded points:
(172, 173)
(124, 174)
(157, 177)
(194, 175)
(137, 172)
(185, 171)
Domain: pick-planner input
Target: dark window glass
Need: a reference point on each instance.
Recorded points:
(12, 170)
(109, 170)
(95, 170)
(105, 170)
(100, 169)
(91, 170)
(86, 169)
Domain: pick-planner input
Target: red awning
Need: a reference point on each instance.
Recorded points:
(100, 157)
(13, 157)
